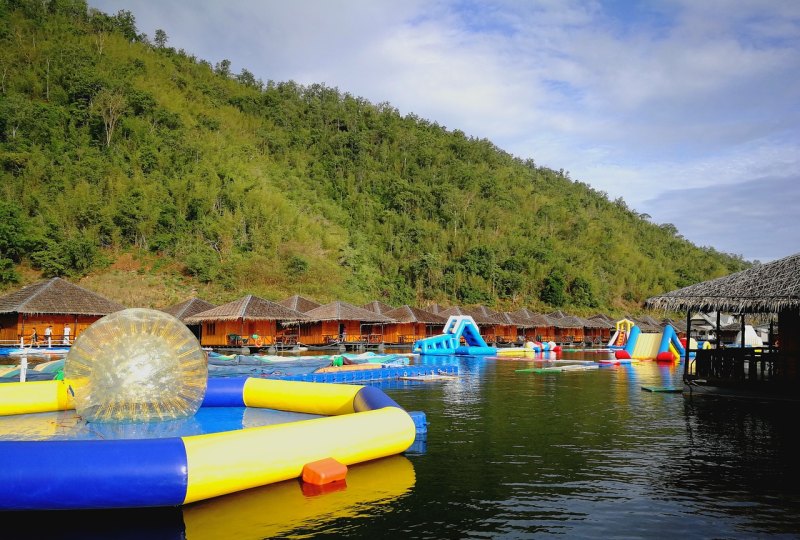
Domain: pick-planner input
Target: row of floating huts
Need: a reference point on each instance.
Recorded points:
(255, 322)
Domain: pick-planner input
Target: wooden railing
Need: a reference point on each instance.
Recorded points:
(741, 366)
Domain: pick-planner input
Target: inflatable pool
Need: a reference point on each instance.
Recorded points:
(352, 424)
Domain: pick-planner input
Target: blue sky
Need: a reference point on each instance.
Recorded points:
(687, 109)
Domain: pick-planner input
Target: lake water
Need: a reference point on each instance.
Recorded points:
(508, 454)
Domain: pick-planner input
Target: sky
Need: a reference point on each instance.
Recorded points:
(689, 110)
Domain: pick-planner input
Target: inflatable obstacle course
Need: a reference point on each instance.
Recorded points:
(456, 328)
(663, 346)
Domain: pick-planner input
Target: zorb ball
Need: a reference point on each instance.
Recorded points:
(136, 365)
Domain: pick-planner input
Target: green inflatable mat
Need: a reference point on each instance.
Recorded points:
(557, 369)
(666, 389)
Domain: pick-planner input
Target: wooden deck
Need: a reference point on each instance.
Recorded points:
(751, 372)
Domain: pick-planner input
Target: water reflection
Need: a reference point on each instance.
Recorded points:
(741, 460)
(578, 454)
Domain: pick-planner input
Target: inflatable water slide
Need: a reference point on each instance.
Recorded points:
(449, 342)
(621, 333)
(663, 346)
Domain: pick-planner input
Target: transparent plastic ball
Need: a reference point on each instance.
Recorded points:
(137, 365)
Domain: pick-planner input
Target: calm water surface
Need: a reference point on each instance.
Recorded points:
(584, 454)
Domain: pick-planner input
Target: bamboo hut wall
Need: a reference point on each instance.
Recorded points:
(9, 332)
(597, 334)
(487, 332)
(404, 332)
(326, 332)
(505, 332)
(215, 333)
(25, 323)
(354, 330)
(433, 329)
(568, 335)
(540, 333)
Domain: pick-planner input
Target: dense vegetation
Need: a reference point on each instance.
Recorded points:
(111, 144)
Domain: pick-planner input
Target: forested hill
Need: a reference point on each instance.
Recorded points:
(113, 145)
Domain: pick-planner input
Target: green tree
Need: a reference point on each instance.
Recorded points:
(553, 290)
(109, 105)
(160, 38)
(581, 292)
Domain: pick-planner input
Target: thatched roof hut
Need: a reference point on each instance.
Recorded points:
(249, 308)
(378, 307)
(187, 308)
(342, 311)
(765, 288)
(57, 296)
(299, 303)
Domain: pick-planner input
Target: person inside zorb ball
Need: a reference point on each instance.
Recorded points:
(136, 365)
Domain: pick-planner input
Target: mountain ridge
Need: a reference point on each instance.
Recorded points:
(115, 149)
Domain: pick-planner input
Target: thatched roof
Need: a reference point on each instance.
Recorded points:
(435, 308)
(521, 318)
(57, 296)
(476, 315)
(299, 303)
(378, 307)
(509, 319)
(489, 314)
(569, 321)
(533, 320)
(408, 314)
(342, 311)
(187, 308)
(249, 308)
(595, 323)
(769, 288)
(607, 321)
(524, 313)
(558, 314)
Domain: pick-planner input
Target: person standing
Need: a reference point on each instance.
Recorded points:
(48, 335)
(66, 334)
(34, 338)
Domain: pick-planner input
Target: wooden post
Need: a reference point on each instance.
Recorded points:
(718, 339)
(688, 343)
(742, 341)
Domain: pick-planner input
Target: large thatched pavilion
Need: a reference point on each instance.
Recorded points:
(56, 303)
(766, 290)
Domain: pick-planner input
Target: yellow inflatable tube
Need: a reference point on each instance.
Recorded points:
(273, 453)
(359, 423)
(34, 397)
